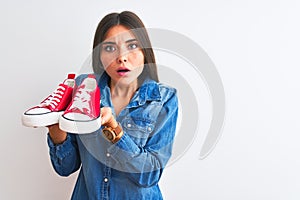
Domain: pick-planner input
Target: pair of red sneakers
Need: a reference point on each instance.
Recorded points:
(76, 109)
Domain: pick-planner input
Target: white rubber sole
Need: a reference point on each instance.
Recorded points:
(41, 120)
(79, 127)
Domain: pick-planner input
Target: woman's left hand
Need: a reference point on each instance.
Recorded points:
(107, 118)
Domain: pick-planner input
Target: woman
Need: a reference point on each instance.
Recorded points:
(139, 110)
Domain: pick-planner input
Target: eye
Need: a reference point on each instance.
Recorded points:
(133, 46)
(109, 48)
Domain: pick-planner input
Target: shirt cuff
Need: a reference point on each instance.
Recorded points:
(60, 150)
(125, 148)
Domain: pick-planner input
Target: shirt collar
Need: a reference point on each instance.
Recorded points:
(149, 91)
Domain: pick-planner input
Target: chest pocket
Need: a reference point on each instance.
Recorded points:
(138, 129)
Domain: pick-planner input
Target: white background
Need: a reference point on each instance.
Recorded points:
(254, 45)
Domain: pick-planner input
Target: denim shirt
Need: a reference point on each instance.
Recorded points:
(131, 168)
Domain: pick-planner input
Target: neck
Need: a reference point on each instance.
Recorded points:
(119, 90)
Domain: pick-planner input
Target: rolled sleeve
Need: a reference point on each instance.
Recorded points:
(64, 157)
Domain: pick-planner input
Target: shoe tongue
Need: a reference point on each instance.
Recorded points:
(90, 84)
(69, 82)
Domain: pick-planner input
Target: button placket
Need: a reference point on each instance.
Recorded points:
(106, 176)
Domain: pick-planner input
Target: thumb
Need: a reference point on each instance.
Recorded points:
(106, 115)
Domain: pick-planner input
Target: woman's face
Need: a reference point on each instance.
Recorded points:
(121, 55)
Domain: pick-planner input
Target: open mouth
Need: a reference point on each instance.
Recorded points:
(123, 71)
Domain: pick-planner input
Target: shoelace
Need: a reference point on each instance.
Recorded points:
(81, 101)
(54, 98)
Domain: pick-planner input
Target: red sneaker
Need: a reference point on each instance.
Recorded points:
(51, 108)
(83, 114)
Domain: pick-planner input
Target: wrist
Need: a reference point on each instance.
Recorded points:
(57, 135)
(58, 139)
(115, 125)
(113, 133)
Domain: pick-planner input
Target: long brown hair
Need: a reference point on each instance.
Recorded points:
(134, 23)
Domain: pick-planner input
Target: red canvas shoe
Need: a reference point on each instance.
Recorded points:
(83, 114)
(51, 108)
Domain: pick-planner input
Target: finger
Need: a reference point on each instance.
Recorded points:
(106, 114)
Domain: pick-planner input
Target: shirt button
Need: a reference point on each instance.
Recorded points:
(128, 125)
(149, 128)
(105, 180)
(107, 154)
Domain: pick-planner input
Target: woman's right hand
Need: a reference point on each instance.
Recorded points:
(57, 135)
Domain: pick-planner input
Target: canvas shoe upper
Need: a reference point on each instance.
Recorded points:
(52, 107)
(83, 114)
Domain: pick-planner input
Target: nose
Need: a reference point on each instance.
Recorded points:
(122, 57)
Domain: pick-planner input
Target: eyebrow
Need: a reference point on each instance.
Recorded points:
(131, 40)
(128, 41)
